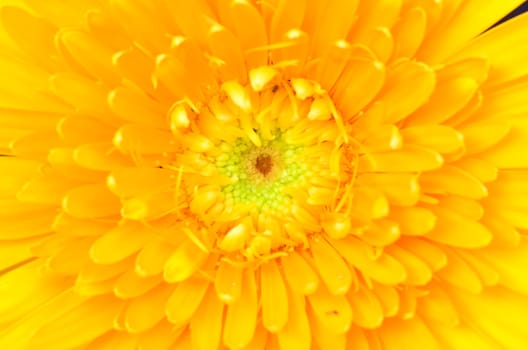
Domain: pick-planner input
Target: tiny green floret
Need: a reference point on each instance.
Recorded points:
(259, 175)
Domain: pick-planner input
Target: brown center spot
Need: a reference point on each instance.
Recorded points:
(264, 164)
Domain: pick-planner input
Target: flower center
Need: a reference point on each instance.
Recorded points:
(259, 176)
(264, 164)
(268, 167)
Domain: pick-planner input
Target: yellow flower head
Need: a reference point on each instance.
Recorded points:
(263, 174)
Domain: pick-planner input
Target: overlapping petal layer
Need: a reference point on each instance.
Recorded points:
(282, 174)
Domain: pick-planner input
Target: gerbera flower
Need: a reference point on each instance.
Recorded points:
(275, 174)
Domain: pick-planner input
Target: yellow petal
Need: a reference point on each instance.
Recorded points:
(458, 273)
(448, 98)
(241, 317)
(417, 271)
(135, 107)
(14, 252)
(35, 145)
(497, 312)
(375, 14)
(50, 308)
(362, 79)
(131, 285)
(134, 64)
(251, 31)
(274, 297)
(89, 54)
(380, 41)
(482, 170)
(333, 23)
(143, 140)
(185, 300)
(357, 339)
(207, 322)
(475, 68)
(493, 44)
(100, 156)
(15, 172)
(228, 282)
(438, 308)
(92, 272)
(382, 233)
(456, 230)
(407, 159)
(151, 259)
(34, 35)
(324, 337)
(119, 243)
(115, 340)
(409, 85)
(509, 264)
(396, 332)
(485, 271)
(14, 225)
(185, 16)
(65, 332)
(225, 46)
(385, 138)
(440, 138)
(48, 188)
(384, 268)
(460, 337)
(299, 274)
(388, 298)
(429, 253)
(366, 308)
(296, 334)
(86, 95)
(91, 201)
(146, 311)
(32, 290)
(72, 257)
(185, 260)
(130, 182)
(400, 189)
(333, 311)
(135, 16)
(479, 137)
(453, 180)
(414, 221)
(160, 337)
(409, 32)
(288, 15)
(333, 270)
(471, 19)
